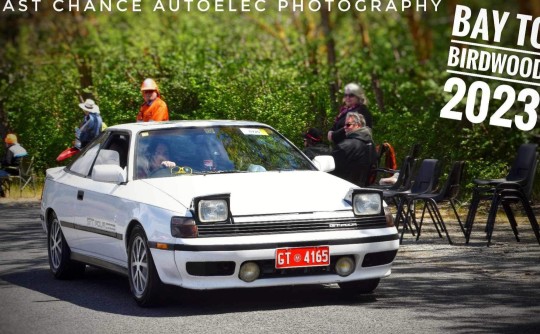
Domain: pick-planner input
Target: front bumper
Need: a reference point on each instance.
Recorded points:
(215, 264)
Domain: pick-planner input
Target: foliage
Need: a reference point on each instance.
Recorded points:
(269, 67)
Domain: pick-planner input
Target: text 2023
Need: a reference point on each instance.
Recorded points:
(504, 93)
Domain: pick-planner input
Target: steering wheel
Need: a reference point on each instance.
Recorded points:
(162, 171)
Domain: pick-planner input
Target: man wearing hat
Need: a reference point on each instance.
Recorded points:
(153, 108)
(91, 125)
(313, 144)
(12, 159)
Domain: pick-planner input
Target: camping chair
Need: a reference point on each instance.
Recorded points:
(515, 187)
(424, 181)
(448, 193)
(26, 175)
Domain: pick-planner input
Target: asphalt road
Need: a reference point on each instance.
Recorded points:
(434, 288)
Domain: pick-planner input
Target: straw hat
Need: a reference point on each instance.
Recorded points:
(90, 106)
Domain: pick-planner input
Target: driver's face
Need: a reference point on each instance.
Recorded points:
(161, 154)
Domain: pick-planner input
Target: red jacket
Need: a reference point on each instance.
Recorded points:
(157, 111)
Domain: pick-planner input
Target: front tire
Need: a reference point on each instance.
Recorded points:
(62, 267)
(360, 287)
(144, 281)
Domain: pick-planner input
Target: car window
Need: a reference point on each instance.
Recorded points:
(215, 150)
(119, 142)
(84, 161)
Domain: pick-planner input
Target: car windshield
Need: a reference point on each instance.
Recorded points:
(224, 149)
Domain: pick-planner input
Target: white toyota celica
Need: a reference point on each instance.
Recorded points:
(211, 205)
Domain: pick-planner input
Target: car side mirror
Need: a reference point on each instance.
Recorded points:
(109, 173)
(324, 163)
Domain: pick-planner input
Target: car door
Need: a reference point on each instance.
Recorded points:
(103, 212)
(69, 186)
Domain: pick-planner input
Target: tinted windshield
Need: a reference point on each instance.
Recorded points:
(215, 150)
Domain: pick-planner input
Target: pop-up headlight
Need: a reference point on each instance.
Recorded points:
(212, 209)
(367, 202)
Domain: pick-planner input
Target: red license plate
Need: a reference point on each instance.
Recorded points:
(302, 257)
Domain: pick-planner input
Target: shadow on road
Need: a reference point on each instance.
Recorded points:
(497, 287)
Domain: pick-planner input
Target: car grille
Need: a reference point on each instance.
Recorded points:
(290, 226)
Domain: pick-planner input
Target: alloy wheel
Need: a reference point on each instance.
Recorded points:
(139, 266)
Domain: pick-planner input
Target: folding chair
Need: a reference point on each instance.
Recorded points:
(448, 193)
(515, 187)
(403, 181)
(26, 175)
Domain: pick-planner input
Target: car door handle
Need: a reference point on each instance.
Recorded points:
(80, 195)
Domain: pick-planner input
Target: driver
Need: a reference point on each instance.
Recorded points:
(158, 157)
(161, 158)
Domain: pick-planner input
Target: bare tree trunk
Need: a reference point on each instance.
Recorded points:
(333, 84)
(421, 36)
(366, 45)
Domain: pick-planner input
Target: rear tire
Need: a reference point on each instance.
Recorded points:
(360, 287)
(144, 281)
(62, 267)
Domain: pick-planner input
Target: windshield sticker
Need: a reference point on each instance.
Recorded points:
(144, 134)
(254, 132)
(209, 130)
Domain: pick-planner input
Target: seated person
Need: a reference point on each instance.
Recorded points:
(158, 157)
(12, 158)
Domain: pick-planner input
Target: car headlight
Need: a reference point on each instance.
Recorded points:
(212, 209)
(367, 203)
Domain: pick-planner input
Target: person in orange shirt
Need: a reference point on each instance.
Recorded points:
(153, 108)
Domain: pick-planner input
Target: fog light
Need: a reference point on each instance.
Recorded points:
(344, 266)
(249, 272)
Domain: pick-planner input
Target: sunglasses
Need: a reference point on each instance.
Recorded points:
(347, 125)
(349, 95)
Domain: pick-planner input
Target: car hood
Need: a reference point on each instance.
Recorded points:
(262, 193)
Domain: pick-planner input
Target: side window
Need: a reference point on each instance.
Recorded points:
(119, 142)
(83, 163)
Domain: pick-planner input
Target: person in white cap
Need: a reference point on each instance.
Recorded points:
(91, 125)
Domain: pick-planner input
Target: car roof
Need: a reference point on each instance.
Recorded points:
(143, 126)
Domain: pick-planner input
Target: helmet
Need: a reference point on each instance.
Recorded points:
(149, 84)
(11, 139)
(355, 90)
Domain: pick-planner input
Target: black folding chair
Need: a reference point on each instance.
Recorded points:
(515, 187)
(424, 181)
(448, 193)
(403, 181)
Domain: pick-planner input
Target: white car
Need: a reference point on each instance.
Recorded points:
(212, 205)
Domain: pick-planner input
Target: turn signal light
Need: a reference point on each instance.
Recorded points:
(184, 227)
